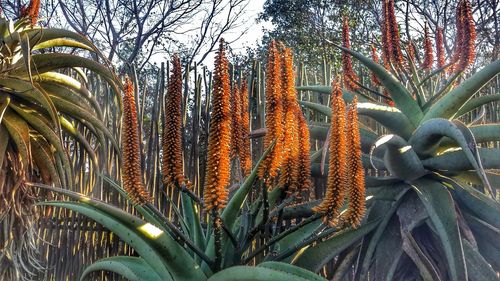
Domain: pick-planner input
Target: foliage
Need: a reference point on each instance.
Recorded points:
(41, 105)
(439, 181)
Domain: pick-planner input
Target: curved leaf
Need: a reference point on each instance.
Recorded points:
(399, 94)
(132, 268)
(295, 270)
(250, 273)
(457, 161)
(315, 257)
(448, 106)
(441, 209)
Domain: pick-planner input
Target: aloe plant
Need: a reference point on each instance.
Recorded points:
(439, 215)
(43, 100)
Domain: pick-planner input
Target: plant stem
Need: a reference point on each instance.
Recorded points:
(217, 224)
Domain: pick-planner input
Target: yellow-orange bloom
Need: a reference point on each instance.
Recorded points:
(335, 190)
(289, 172)
(428, 55)
(131, 166)
(245, 153)
(355, 184)
(274, 114)
(350, 77)
(172, 170)
(218, 159)
(304, 181)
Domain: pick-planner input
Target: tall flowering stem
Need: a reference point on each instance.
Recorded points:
(172, 169)
(335, 190)
(376, 59)
(393, 34)
(245, 153)
(219, 139)
(289, 172)
(350, 77)
(355, 183)
(428, 55)
(32, 11)
(131, 167)
(304, 155)
(274, 115)
(440, 47)
(386, 40)
(466, 36)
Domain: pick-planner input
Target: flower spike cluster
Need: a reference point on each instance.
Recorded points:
(218, 159)
(304, 168)
(245, 153)
(350, 77)
(355, 176)
(345, 167)
(376, 59)
(391, 45)
(440, 47)
(290, 166)
(274, 115)
(335, 190)
(466, 36)
(131, 167)
(172, 170)
(428, 55)
(32, 11)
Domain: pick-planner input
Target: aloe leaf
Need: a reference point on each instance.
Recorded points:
(61, 42)
(327, 90)
(129, 235)
(4, 140)
(250, 273)
(478, 203)
(295, 270)
(388, 251)
(389, 117)
(457, 161)
(377, 235)
(482, 133)
(19, 131)
(477, 102)
(315, 257)
(486, 236)
(299, 235)
(180, 263)
(477, 267)
(132, 268)
(399, 94)
(192, 219)
(441, 209)
(448, 106)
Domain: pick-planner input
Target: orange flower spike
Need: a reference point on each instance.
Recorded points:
(428, 55)
(350, 76)
(304, 181)
(245, 153)
(355, 175)
(32, 11)
(440, 47)
(376, 59)
(172, 170)
(290, 166)
(410, 51)
(335, 190)
(459, 38)
(386, 40)
(236, 137)
(467, 46)
(131, 166)
(215, 193)
(274, 114)
(396, 54)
